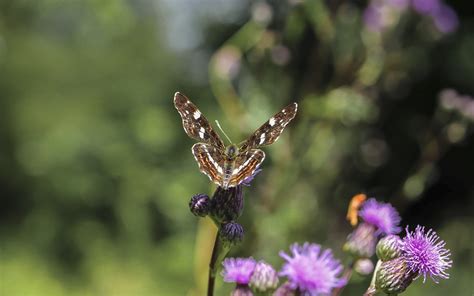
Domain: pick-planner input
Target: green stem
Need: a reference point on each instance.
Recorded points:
(212, 267)
(219, 252)
(371, 290)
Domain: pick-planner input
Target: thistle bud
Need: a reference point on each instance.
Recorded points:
(361, 242)
(227, 204)
(394, 276)
(389, 247)
(364, 266)
(200, 205)
(264, 277)
(232, 233)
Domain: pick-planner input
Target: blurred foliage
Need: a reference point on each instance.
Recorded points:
(96, 172)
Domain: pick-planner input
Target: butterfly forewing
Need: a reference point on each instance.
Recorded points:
(210, 160)
(245, 165)
(269, 132)
(194, 122)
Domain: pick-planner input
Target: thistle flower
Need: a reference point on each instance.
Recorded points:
(238, 270)
(425, 254)
(381, 215)
(264, 278)
(311, 270)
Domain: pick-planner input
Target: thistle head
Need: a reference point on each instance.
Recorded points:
(381, 215)
(264, 277)
(311, 270)
(389, 247)
(425, 254)
(361, 242)
(393, 276)
(364, 266)
(227, 204)
(231, 233)
(200, 205)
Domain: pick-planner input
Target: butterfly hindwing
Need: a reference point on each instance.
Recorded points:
(269, 132)
(194, 122)
(210, 160)
(245, 165)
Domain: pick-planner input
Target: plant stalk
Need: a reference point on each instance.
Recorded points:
(212, 267)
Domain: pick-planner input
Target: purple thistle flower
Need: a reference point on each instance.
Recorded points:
(238, 270)
(311, 270)
(425, 254)
(381, 215)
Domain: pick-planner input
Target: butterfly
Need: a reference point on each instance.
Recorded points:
(229, 166)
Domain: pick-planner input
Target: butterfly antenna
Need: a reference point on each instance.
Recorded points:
(219, 126)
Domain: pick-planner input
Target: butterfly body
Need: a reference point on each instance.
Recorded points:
(231, 153)
(229, 166)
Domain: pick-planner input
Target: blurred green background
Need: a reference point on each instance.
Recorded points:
(96, 171)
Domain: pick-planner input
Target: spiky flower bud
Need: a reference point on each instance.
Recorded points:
(264, 277)
(364, 266)
(227, 204)
(200, 205)
(389, 247)
(394, 276)
(361, 242)
(232, 233)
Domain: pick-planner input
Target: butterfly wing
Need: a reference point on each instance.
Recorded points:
(194, 122)
(245, 165)
(269, 132)
(211, 161)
